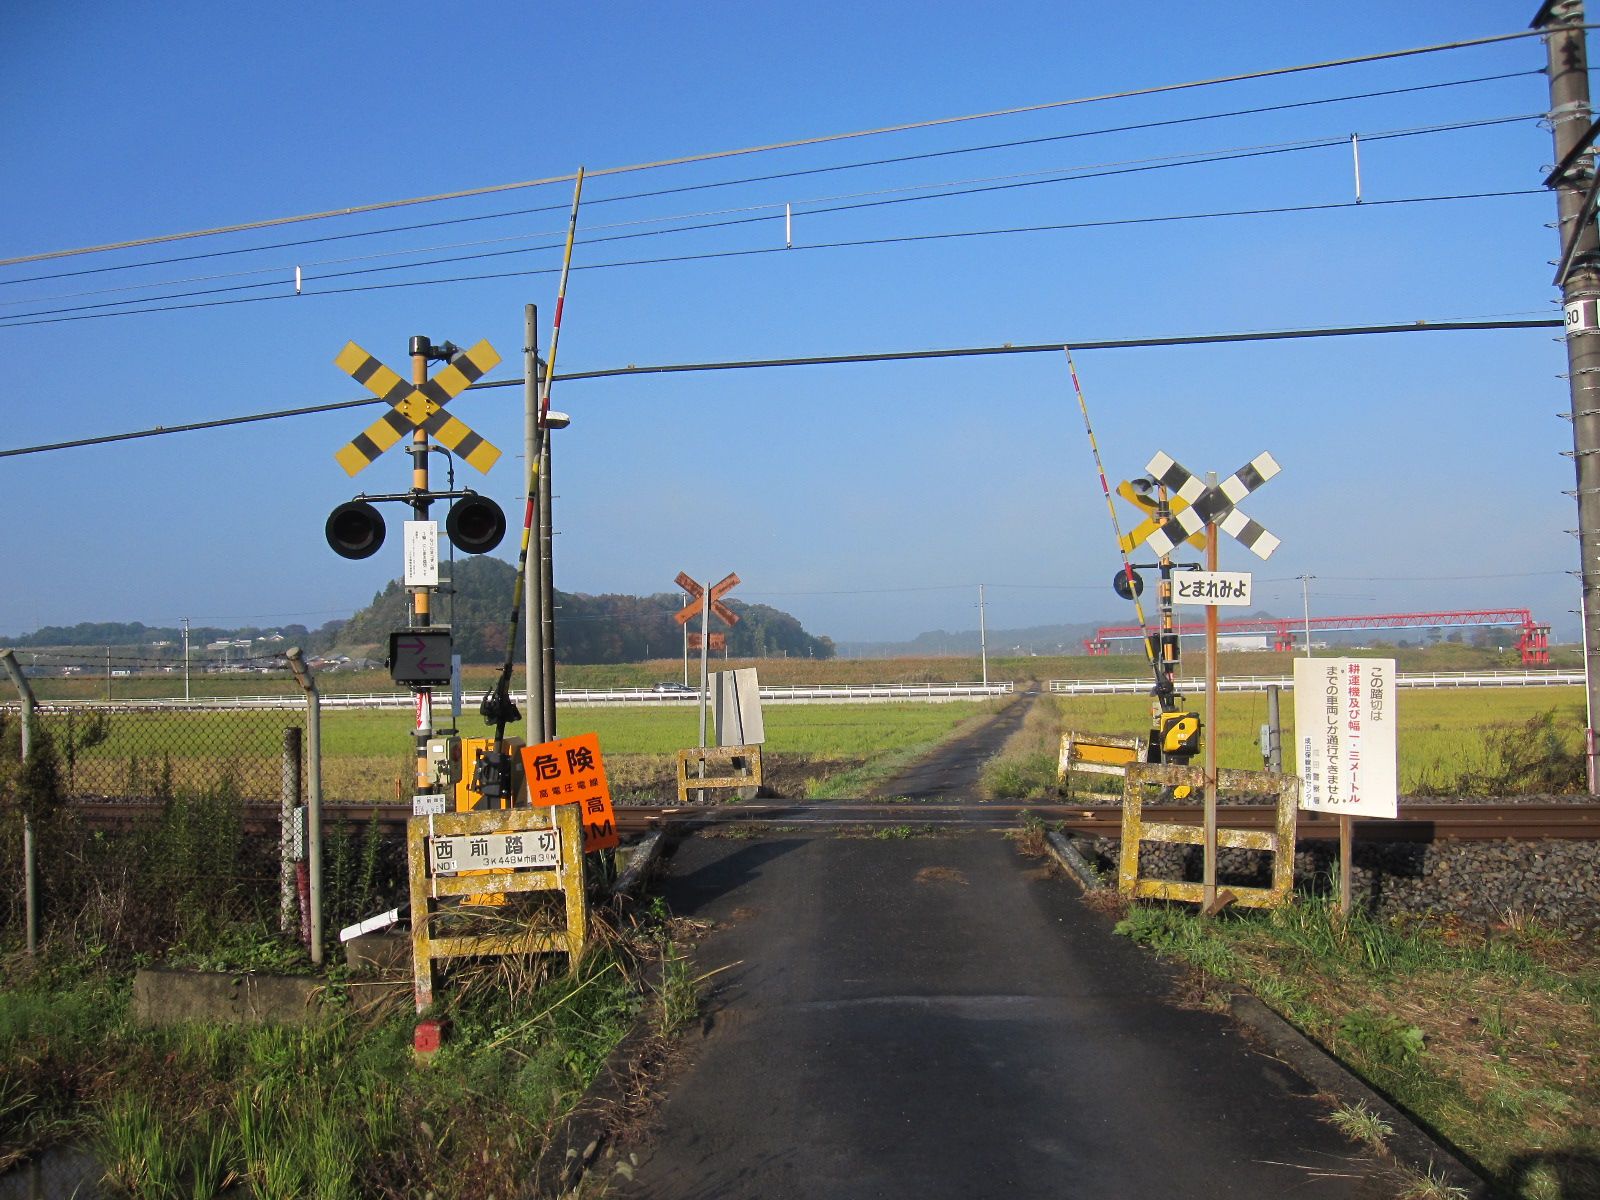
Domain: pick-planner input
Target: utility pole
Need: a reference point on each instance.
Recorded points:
(1574, 178)
(533, 596)
(186, 658)
(983, 638)
(1305, 599)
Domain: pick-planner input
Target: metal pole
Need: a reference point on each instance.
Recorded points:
(30, 864)
(1305, 598)
(1568, 67)
(547, 586)
(1274, 730)
(186, 658)
(420, 611)
(685, 604)
(1209, 888)
(308, 684)
(533, 597)
(705, 677)
(289, 796)
(983, 638)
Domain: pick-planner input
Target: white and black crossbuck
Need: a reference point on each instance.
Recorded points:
(1209, 505)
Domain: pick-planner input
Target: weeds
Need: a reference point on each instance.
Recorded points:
(1360, 1124)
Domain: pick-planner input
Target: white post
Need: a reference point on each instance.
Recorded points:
(983, 638)
(186, 658)
(1305, 596)
(308, 684)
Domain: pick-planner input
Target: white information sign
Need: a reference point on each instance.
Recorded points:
(1211, 587)
(422, 554)
(540, 848)
(1344, 730)
(425, 804)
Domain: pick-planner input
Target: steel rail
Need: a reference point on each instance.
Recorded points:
(1418, 821)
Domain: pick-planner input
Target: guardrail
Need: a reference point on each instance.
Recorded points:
(1259, 683)
(607, 697)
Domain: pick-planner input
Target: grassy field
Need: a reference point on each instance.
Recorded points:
(367, 754)
(1444, 735)
(779, 672)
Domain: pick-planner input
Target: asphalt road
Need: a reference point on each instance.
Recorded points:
(938, 1017)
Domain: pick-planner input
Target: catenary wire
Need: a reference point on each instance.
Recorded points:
(771, 177)
(822, 139)
(17, 320)
(1080, 345)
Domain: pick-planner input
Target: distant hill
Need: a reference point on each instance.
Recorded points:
(589, 629)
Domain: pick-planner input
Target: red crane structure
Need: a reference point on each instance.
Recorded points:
(1533, 639)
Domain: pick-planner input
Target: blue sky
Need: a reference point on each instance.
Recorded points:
(1419, 471)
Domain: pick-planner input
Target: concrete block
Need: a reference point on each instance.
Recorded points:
(165, 997)
(385, 950)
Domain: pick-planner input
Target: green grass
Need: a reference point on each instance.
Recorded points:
(333, 1109)
(1487, 1035)
(1442, 734)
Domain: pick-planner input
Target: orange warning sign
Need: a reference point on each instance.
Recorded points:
(571, 771)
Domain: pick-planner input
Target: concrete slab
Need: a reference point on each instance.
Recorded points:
(163, 997)
(936, 1017)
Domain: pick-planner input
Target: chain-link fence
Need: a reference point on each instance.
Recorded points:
(158, 825)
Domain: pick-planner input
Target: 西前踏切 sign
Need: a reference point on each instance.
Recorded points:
(538, 848)
(1344, 729)
(1211, 587)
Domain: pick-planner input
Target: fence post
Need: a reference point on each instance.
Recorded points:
(302, 674)
(290, 797)
(30, 866)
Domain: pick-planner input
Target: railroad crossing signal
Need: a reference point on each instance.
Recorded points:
(1204, 505)
(1136, 535)
(417, 406)
(698, 601)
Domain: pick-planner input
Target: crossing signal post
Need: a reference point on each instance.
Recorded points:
(420, 654)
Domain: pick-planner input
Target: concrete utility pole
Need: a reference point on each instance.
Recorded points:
(1568, 64)
(534, 730)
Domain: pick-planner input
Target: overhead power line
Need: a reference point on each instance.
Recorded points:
(764, 213)
(1082, 347)
(778, 176)
(19, 320)
(794, 143)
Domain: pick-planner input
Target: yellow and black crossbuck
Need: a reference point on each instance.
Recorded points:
(417, 406)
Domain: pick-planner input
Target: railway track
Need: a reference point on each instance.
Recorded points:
(1417, 822)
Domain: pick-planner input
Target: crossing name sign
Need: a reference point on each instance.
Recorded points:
(1344, 729)
(1211, 587)
(532, 848)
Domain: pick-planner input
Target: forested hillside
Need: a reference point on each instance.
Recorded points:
(589, 629)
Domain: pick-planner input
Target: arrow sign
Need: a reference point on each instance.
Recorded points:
(698, 599)
(420, 655)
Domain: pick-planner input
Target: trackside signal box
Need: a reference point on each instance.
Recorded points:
(469, 800)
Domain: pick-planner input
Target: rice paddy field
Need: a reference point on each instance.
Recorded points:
(1443, 733)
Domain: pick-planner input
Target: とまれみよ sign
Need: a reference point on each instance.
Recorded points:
(571, 771)
(1344, 729)
(1211, 587)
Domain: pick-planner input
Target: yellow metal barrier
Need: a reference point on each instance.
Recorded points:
(1097, 753)
(553, 834)
(718, 756)
(1279, 843)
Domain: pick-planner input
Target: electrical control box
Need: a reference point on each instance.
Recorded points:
(443, 757)
(498, 786)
